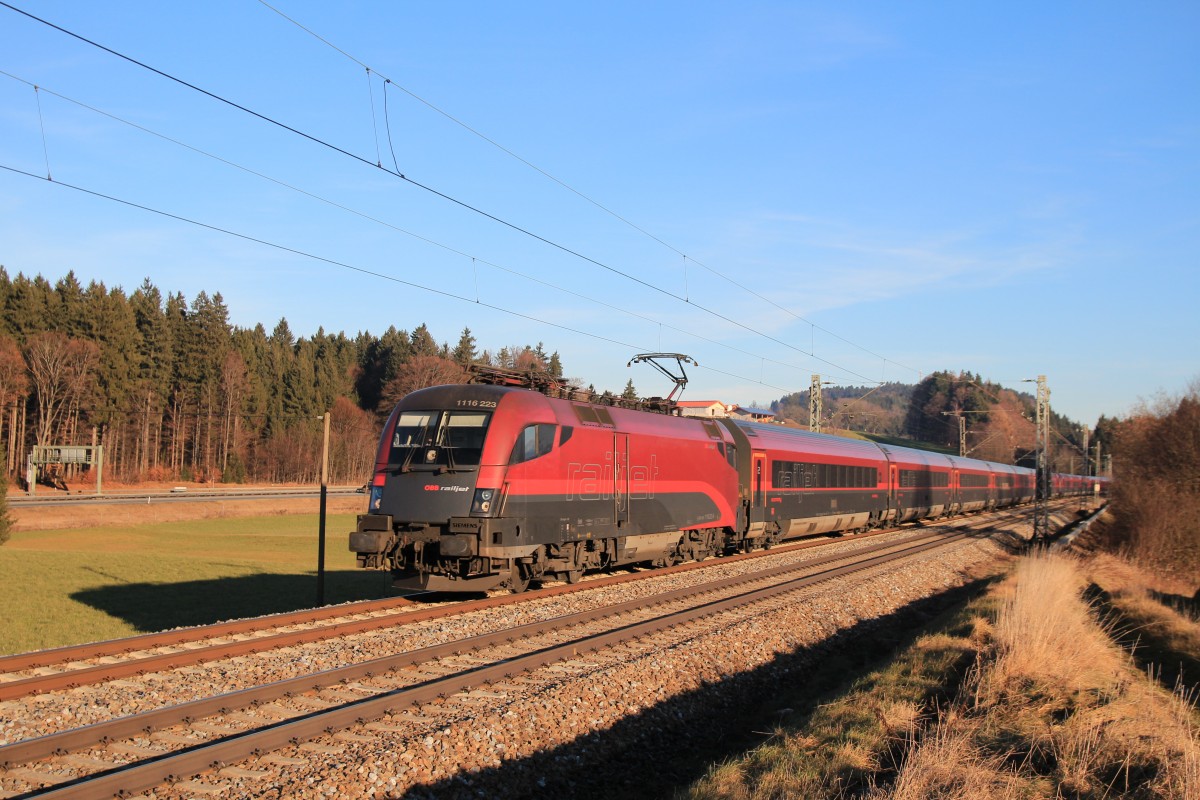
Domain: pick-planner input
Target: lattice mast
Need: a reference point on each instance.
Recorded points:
(815, 405)
(1041, 508)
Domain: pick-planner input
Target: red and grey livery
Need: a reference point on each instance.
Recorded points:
(477, 485)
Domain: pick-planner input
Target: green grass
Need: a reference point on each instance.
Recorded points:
(88, 584)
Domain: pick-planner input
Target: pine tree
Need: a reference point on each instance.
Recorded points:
(67, 307)
(464, 352)
(27, 307)
(154, 367)
(423, 343)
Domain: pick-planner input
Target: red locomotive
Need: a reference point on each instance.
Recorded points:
(476, 485)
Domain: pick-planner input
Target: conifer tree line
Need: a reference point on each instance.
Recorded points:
(173, 391)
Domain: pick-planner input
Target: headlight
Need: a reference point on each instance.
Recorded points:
(481, 505)
(375, 499)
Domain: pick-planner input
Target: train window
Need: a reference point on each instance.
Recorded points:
(711, 429)
(563, 437)
(781, 474)
(463, 433)
(804, 475)
(731, 455)
(455, 438)
(535, 440)
(412, 429)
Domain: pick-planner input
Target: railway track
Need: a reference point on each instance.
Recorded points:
(97, 662)
(131, 754)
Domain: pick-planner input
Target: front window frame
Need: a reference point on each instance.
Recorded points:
(439, 439)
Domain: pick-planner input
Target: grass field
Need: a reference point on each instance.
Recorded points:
(76, 585)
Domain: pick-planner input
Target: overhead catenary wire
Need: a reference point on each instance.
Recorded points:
(42, 125)
(362, 270)
(463, 204)
(624, 220)
(475, 260)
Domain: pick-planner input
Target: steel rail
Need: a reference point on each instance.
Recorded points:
(191, 635)
(171, 767)
(81, 676)
(126, 727)
(184, 636)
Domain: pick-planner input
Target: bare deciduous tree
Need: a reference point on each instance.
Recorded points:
(14, 388)
(61, 368)
(417, 373)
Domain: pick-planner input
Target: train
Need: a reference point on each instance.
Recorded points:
(478, 485)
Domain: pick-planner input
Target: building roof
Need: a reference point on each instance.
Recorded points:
(758, 412)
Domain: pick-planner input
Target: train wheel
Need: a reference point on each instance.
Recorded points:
(519, 579)
(573, 575)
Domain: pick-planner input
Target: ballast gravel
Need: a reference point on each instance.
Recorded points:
(594, 726)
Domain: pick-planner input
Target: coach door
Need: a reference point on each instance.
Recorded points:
(894, 489)
(760, 466)
(621, 479)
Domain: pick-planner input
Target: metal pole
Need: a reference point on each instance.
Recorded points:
(815, 409)
(1041, 509)
(321, 526)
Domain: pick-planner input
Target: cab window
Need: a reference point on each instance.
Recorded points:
(534, 441)
(464, 432)
(443, 438)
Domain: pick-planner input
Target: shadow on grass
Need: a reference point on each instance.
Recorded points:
(1148, 642)
(152, 607)
(662, 750)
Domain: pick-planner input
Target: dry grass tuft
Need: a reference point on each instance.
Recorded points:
(949, 764)
(1050, 707)
(1056, 709)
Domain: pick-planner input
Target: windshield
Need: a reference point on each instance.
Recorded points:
(444, 438)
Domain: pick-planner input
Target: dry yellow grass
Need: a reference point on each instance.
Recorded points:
(1056, 710)
(1051, 708)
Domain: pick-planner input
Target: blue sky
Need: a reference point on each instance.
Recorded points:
(868, 191)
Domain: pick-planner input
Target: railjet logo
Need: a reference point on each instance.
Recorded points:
(433, 487)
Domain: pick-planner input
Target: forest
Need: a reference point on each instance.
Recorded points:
(173, 391)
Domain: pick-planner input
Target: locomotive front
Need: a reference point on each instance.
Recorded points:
(439, 472)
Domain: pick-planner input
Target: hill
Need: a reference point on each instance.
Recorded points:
(941, 412)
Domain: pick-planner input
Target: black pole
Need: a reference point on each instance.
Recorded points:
(321, 525)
